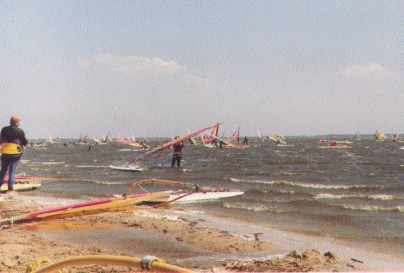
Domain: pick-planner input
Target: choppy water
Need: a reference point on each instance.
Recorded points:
(355, 194)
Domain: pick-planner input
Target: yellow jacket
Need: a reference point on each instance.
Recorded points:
(11, 148)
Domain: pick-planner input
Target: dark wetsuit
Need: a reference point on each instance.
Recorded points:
(11, 134)
(245, 141)
(177, 154)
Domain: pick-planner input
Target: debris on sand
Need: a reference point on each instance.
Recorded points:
(309, 260)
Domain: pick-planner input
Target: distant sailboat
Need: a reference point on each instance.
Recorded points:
(278, 139)
(396, 138)
(379, 136)
(259, 134)
(236, 135)
(83, 140)
(210, 140)
(50, 140)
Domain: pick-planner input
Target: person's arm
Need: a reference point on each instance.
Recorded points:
(2, 137)
(23, 139)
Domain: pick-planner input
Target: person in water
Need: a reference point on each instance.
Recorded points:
(177, 153)
(143, 144)
(245, 141)
(12, 140)
(221, 144)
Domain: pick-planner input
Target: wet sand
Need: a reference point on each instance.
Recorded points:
(181, 236)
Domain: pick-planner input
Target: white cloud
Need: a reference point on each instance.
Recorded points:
(144, 68)
(374, 71)
(135, 65)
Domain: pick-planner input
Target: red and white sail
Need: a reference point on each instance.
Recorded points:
(236, 135)
(209, 139)
(171, 143)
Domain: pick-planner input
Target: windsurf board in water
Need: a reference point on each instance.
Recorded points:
(21, 187)
(209, 146)
(196, 197)
(127, 168)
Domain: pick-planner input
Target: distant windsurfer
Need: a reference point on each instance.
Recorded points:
(177, 153)
(245, 141)
(12, 139)
(143, 145)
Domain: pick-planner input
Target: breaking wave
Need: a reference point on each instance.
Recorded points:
(375, 208)
(306, 185)
(49, 163)
(91, 166)
(250, 207)
(385, 197)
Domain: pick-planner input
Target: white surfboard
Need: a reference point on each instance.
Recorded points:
(127, 168)
(21, 187)
(203, 196)
(210, 146)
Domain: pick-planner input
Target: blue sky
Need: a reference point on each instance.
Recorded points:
(158, 68)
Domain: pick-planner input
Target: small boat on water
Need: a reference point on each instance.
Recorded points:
(278, 139)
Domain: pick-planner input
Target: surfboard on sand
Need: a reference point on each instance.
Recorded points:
(21, 187)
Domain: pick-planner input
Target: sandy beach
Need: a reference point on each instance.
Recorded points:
(219, 136)
(180, 235)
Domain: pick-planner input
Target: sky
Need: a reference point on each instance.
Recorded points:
(161, 68)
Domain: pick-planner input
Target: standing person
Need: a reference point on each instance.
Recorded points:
(245, 141)
(177, 153)
(12, 140)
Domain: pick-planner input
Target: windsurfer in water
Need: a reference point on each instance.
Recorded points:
(245, 141)
(12, 140)
(177, 153)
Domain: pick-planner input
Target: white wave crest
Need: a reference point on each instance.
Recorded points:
(250, 207)
(375, 208)
(385, 197)
(305, 185)
(91, 166)
(337, 196)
